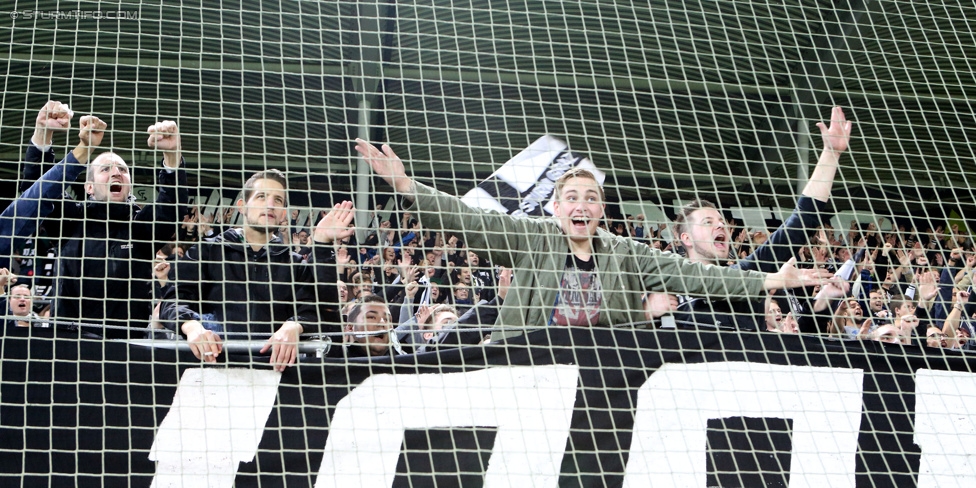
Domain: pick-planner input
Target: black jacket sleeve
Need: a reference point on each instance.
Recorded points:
(323, 292)
(786, 241)
(36, 163)
(181, 296)
(166, 213)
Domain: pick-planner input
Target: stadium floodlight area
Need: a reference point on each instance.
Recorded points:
(694, 371)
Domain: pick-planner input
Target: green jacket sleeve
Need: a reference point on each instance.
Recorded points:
(495, 233)
(666, 271)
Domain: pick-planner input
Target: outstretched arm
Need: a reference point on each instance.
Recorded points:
(789, 276)
(495, 232)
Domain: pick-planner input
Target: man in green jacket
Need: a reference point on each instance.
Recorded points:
(568, 271)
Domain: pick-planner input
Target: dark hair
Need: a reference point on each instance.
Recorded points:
(897, 301)
(359, 278)
(168, 249)
(268, 174)
(681, 219)
(357, 308)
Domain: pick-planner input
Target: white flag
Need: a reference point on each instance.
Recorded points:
(523, 185)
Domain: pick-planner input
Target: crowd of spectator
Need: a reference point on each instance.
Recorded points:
(399, 287)
(907, 286)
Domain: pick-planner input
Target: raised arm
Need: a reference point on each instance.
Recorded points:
(165, 137)
(951, 325)
(406, 306)
(963, 277)
(484, 314)
(6, 278)
(53, 117)
(836, 139)
(411, 329)
(333, 227)
(172, 196)
(19, 219)
(496, 232)
(809, 214)
(90, 134)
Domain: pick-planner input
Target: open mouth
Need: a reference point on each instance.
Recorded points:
(115, 188)
(579, 222)
(720, 242)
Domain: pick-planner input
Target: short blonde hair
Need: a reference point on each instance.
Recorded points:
(439, 309)
(22, 285)
(576, 173)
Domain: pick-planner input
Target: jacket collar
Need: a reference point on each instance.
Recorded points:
(604, 242)
(234, 237)
(108, 210)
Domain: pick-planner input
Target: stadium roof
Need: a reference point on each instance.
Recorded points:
(671, 98)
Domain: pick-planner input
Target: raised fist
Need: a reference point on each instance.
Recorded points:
(92, 131)
(54, 116)
(164, 136)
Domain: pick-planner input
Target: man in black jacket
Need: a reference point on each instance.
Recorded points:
(107, 241)
(702, 230)
(248, 282)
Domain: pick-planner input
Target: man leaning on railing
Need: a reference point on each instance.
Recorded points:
(249, 283)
